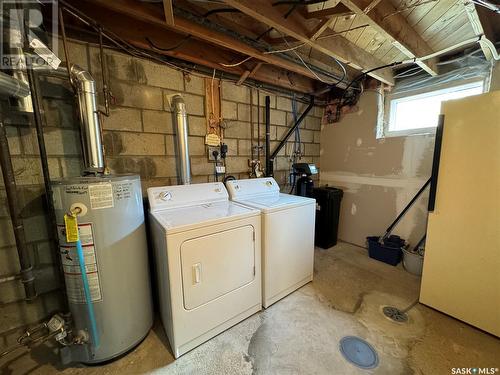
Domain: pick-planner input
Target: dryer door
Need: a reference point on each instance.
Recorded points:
(217, 264)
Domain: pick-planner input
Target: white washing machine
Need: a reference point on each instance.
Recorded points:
(207, 259)
(287, 235)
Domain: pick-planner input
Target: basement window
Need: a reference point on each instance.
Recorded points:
(418, 113)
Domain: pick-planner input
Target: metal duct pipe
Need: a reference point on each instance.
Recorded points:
(89, 117)
(27, 276)
(10, 86)
(181, 126)
(19, 68)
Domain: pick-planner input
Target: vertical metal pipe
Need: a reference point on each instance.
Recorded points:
(181, 126)
(27, 276)
(89, 116)
(269, 162)
(11, 86)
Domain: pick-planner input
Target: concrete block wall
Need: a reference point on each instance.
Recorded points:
(61, 136)
(138, 138)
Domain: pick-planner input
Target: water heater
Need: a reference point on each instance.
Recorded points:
(113, 238)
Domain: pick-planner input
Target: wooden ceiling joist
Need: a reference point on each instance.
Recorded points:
(338, 47)
(248, 73)
(393, 26)
(478, 28)
(168, 9)
(198, 52)
(340, 10)
(149, 14)
(322, 26)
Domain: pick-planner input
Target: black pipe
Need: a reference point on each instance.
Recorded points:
(396, 221)
(292, 129)
(27, 276)
(435, 163)
(269, 164)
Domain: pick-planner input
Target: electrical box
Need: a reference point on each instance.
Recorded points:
(213, 153)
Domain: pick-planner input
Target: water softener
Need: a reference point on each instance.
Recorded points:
(305, 184)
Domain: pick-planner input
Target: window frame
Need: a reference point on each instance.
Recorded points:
(392, 99)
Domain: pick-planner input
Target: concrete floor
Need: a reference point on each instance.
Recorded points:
(300, 334)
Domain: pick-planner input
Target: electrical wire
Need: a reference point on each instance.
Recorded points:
(236, 64)
(486, 4)
(130, 49)
(221, 10)
(357, 78)
(298, 2)
(305, 65)
(181, 42)
(284, 50)
(409, 72)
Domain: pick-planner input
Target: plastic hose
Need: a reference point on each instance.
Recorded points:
(88, 299)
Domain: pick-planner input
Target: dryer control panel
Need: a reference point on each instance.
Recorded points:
(185, 195)
(239, 189)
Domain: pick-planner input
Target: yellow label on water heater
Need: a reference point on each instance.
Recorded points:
(71, 226)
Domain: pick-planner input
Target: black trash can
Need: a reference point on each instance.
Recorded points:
(327, 215)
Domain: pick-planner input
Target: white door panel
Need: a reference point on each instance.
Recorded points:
(216, 264)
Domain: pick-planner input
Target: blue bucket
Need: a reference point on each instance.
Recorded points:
(388, 252)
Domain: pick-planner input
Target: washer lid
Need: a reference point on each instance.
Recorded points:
(275, 203)
(186, 218)
(166, 197)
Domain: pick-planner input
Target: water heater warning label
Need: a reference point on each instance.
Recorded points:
(71, 267)
(101, 196)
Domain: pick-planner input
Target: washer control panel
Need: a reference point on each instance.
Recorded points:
(165, 195)
(185, 195)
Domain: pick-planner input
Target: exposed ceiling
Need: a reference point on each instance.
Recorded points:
(296, 44)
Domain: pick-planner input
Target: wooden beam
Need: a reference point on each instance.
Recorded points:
(340, 10)
(322, 26)
(248, 73)
(243, 77)
(168, 9)
(477, 26)
(370, 6)
(393, 26)
(340, 48)
(148, 13)
(194, 51)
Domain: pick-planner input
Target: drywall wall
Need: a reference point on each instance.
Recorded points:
(138, 138)
(378, 176)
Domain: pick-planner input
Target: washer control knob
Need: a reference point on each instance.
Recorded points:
(165, 196)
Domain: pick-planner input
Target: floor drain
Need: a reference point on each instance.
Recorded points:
(358, 352)
(395, 314)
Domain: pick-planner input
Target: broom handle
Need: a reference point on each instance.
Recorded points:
(395, 222)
